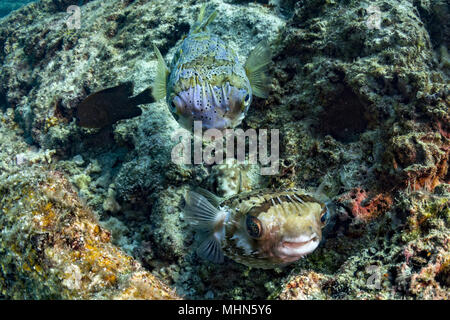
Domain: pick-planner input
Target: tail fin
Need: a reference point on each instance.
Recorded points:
(143, 98)
(201, 14)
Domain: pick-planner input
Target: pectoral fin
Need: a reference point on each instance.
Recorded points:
(159, 87)
(212, 198)
(208, 219)
(256, 68)
(210, 249)
(200, 212)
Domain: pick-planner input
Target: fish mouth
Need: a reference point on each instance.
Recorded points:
(299, 246)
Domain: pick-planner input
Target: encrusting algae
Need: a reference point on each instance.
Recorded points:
(61, 252)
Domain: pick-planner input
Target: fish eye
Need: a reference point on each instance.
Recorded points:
(254, 226)
(247, 99)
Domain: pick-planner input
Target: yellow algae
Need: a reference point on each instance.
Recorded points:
(38, 268)
(50, 122)
(82, 181)
(111, 278)
(82, 266)
(15, 249)
(48, 219)
(26, 267)
(48, 206)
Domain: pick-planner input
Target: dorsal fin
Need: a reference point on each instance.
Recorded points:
(201, 24)
(159, 86)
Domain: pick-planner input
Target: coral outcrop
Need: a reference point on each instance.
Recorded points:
(52, 246)
(359, 93)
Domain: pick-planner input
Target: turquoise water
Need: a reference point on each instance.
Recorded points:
(6, 6)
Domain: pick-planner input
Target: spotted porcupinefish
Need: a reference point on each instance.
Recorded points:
(262, 229)
(207, 83)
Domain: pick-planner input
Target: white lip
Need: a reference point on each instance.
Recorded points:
(299, 246)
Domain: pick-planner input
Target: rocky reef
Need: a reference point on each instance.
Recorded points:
(52, 245)
(359, 93)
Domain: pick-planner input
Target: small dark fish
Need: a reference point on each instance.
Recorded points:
(106, 107)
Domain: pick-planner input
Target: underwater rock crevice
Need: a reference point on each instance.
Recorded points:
(344, 116)
(436, 17)
(3, 101)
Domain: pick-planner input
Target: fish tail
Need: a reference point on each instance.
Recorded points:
(201, 14)
(143, 98)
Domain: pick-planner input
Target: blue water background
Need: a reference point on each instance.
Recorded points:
(6, 6)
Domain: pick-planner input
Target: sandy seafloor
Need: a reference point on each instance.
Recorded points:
(359, 92)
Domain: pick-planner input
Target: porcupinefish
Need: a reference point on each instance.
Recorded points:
(207, 83)
(105, 107)
(262, 229)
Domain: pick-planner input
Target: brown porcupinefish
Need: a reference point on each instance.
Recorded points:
(207, 83)
(262, 229)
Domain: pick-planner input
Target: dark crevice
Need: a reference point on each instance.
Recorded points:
(344, 116)
(436, 18)
(3, 101)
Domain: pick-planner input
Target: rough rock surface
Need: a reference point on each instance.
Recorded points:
(359, 93)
